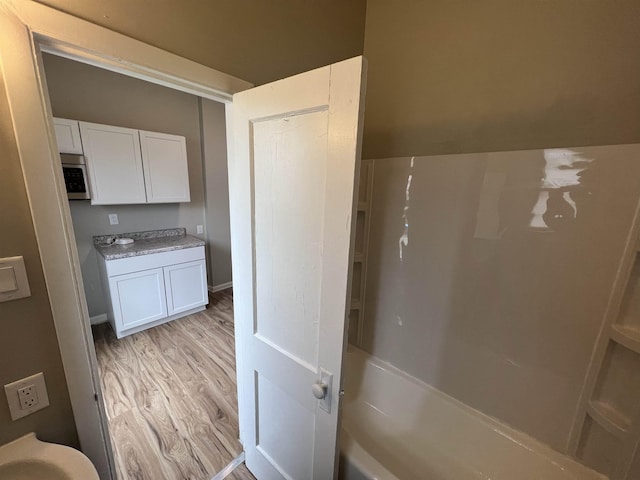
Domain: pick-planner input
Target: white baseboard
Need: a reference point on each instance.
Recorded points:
(102, 318)
(222, 286)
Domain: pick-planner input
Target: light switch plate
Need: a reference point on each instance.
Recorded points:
(12, 271)
(36, 382)
(8, 281)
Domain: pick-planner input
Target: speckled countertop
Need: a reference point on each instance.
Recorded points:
(145, 243)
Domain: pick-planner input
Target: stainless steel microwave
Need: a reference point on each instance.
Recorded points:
(74, 169)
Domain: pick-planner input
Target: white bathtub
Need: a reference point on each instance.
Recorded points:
(395, 427)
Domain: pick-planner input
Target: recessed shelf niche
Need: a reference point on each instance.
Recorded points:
(359, 272)
(599, 449)
(364, 192)
(629, 316)
(618, 385)
(354, 326)
(360, 233)
(356, 283)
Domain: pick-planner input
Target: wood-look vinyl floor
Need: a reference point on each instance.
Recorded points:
(170, 396)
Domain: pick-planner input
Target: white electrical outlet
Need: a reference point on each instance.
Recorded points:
(113, 219)
(199, 229)
(26, 396)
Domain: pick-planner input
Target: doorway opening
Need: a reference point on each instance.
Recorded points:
(161, 307)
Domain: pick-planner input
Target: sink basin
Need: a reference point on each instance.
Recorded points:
(27, 458)
(28, 470)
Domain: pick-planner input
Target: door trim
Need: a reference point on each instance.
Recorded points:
(27, 29)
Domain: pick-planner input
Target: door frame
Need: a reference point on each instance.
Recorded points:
(27, 29)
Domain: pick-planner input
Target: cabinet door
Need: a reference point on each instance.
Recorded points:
(114, 162)
(138, 298)
(67, 135)
(186, 286)
(166, 175)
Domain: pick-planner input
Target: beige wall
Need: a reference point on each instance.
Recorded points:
(256, 40)
(452, 76)
(505, 325)
(83, 92)
(28, 341)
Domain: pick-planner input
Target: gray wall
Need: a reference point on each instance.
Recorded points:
(230, 36)
(83, 92)
(505, 325)
(214, 150)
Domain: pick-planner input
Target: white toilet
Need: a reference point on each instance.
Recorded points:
(27, 458)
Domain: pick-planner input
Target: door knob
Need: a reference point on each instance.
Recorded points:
(319, 390)
(322, 389)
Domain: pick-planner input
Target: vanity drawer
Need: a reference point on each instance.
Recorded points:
(122, 266)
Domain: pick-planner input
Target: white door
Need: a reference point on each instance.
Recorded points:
(296, 151)
(114, 162)
(186, 286)
(138, 298)
(166, 174)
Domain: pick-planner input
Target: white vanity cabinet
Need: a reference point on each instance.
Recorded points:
(68, 135)
(186, 286)
(148, 290)
(138, 298)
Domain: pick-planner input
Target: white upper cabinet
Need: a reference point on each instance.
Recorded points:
(68, 135)
(134, 166)
(166, 175)
(114, 161)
